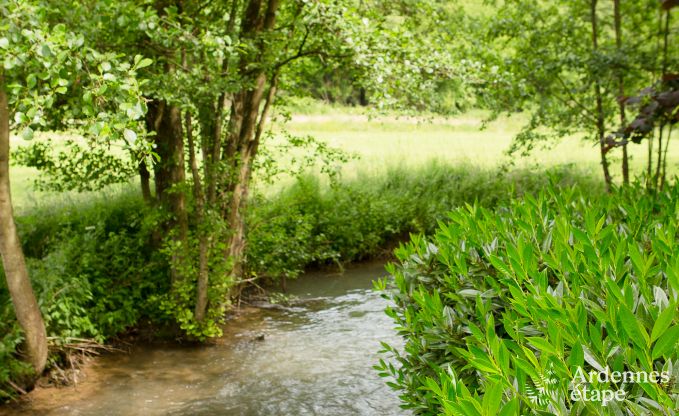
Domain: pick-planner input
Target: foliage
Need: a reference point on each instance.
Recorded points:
(92, 273)
(55, 80)
(95, 261)
(544, 60)
(176, 307)
(210, 75)
(309, 223)
(13, 368)
(499, 309)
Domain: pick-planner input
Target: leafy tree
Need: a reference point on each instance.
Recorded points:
(567, 64)
(657, 105)
(217, 69)
(44, 68)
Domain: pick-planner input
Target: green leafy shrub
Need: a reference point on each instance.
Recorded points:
(177, 305)
(309, 223)
(92, 270)
(504, 311)
(95, 268)
(12, 368)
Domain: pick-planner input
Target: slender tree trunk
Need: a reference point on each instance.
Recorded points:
(214, 154)
(663, 161)
(169, 170)
(658, 162)
(661, 168)
(600, 117)
(621, 88)
(664, 165)
(246, 129)
(363, 97)
(243, 171)
(173, 195)
(649, 162)
(203, 243)
(253, 129)
(18, 282)
(213, 160)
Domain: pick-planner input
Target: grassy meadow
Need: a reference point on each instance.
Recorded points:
(379, 142)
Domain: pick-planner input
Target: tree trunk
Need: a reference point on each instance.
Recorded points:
(600, 116)
(238, 192)
(659, 162)
(251, 133)
(165, 120)
(363, 97)
(19, 285)
(145, 179)
(664, 165)
(649, 162)
(201, 290)
(245, 131)
(661, 167)
(621, 88)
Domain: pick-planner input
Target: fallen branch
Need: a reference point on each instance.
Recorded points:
(15, 387)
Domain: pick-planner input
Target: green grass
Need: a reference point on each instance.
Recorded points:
(384, 141)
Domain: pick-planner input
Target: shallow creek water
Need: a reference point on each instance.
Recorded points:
(315, 358)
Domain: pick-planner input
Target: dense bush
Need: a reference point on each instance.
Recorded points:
(92, 271)
(309, 223)
(501, 309)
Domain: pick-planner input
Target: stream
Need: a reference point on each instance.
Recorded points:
(314, 358)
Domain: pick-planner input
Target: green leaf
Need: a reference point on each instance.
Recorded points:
(9, 63)
(633, 328)
(666, 343)
(45, 51)
(525, 366)
(20, 117)
(31, 81)
(492, 398)
(480, 360)
(663, 322)
(4, 43)
(130, 136)
(144, 63)
(27, 133)
(577, 356)
(471, 407)
(511, 408)
(542, 344)
(500, 265)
